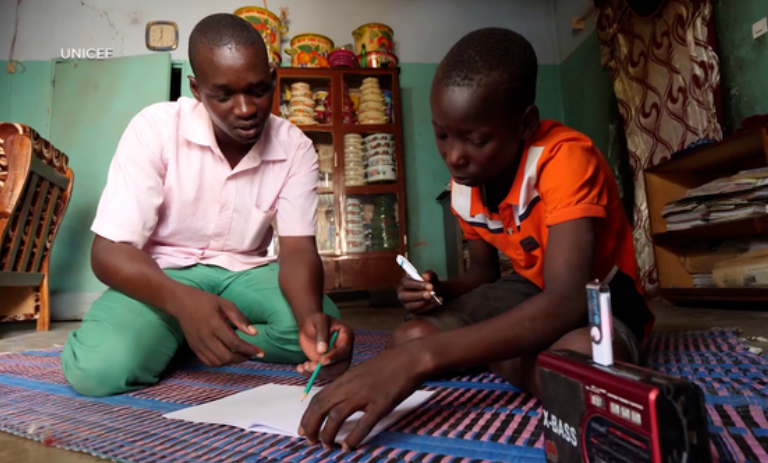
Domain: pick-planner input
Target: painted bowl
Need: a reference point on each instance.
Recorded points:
(379, 59)
(371, 97)
(381, 174)
(300, 86)
(301, 94)
(379, 137)
(372, 106)
(303, 111)
(341, 58)
(381, 160)
(301, 101)
(356, 233)
(370, 146)
(301, 120)
(355, 245)
(310, 51)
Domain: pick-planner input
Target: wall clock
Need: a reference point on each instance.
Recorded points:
(162, 35)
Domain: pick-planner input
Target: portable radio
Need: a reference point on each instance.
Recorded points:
(595, 411)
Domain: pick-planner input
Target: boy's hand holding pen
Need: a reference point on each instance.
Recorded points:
(417, 292)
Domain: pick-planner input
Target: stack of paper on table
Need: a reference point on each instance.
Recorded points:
(277, 409)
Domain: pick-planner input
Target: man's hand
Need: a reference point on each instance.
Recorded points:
(301, 280)
(415, 295)
(314, 336)
(203, 318)
(375, 387)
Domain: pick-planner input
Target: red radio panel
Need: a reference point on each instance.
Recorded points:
(620, 413)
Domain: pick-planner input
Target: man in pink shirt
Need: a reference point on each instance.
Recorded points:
(184, 223)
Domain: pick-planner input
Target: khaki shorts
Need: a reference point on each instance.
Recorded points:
(488, 301)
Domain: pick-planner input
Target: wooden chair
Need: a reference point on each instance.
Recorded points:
(35, 188)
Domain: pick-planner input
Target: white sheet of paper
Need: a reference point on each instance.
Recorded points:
(276, 409)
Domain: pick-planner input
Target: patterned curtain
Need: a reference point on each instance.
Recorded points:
(665, 74)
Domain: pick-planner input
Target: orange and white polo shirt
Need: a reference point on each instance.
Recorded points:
(562, 176)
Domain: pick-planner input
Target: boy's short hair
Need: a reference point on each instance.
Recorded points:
(219, 30)
(495, 55)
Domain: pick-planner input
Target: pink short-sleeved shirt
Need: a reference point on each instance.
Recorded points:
(171, 192)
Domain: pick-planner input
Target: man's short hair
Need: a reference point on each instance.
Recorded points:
(220, 30)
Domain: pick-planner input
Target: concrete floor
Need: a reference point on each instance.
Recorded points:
(22, 336)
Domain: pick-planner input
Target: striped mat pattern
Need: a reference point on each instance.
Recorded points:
(474, 418)
(734, 383)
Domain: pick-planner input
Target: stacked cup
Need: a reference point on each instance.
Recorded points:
(355, 230)
(372, 108)
(354, 163)
(301, 106)
(380, 148)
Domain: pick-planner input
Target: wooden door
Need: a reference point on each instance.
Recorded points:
(93, 102)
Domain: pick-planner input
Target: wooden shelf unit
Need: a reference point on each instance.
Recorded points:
(735, 229)
(357, 271)
(669, 181)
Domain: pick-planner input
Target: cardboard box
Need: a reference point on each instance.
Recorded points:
(750, 270)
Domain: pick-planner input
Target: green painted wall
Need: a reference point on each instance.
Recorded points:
(93, 102)
(589, 104)
(743, 60)
(549, 93)
(185, 73)
(25, 96)
(425, 172)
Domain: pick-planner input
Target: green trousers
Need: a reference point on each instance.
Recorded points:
(124, 345)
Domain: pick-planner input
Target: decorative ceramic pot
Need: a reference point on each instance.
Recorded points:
(310, 51)
(375, 37)
(267, 23)
(378, 59)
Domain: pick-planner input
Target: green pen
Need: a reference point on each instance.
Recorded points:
(317, 370)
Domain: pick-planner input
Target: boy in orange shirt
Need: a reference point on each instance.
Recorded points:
(536, 190)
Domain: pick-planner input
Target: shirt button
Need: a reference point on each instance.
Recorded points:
(510, 231)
